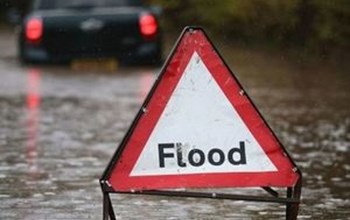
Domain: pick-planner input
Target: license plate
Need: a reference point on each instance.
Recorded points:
(100, 64)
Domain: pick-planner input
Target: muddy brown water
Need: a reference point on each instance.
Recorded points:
(59, 128)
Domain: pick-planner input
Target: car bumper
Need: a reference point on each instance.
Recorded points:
(34, 53)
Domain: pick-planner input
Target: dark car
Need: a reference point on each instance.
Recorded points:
(63, 30)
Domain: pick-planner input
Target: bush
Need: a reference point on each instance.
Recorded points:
(316, 25)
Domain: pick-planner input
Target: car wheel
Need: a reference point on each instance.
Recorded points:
(22, 58)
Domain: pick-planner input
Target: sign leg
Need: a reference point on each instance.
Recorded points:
(105, 206)
(289, 208)
(111, 211)
(292, 209)
(108, 212)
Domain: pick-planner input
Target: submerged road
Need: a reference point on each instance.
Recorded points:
(60, 126)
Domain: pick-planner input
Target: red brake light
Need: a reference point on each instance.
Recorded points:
(148, 25)
(34, 30)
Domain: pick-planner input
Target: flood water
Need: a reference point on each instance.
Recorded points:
(59, 128)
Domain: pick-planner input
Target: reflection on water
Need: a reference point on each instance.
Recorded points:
(59, 132)
(33, 107)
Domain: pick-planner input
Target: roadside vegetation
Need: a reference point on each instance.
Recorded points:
(311, 27)
(304, 27)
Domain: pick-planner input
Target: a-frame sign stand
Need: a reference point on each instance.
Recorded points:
(198, 128)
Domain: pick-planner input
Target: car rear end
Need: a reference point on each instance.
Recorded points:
(62, 30)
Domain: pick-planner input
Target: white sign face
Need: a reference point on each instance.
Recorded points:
(200, 132)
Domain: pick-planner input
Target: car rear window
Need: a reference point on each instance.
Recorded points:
(57, 4)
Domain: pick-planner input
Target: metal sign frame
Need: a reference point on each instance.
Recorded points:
(291, 199)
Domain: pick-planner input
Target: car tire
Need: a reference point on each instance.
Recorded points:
(22, 58)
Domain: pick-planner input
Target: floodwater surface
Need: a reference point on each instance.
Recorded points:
(59, 128)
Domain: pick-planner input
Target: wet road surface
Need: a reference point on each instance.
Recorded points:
(59, 128)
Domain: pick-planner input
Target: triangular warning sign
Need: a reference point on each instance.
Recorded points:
(198, 129)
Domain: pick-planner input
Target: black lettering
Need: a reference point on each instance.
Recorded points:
(163, 155)
(191, 159)
(211, 157)
(240, 151)
(180, 161)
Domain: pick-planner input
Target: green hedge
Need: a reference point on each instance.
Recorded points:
(319, 25)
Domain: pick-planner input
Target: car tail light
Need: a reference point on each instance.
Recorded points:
(148, 25)
(34, 30)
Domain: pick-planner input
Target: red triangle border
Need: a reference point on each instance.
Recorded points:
(122, 163)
